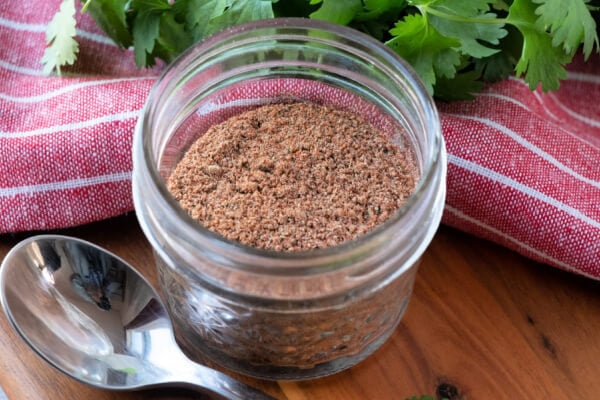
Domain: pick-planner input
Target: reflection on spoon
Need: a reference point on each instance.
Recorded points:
(79, 326)
(94, 318)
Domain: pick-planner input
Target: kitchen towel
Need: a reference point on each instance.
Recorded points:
(523, 167)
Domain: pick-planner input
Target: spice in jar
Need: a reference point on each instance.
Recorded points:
(293, 176)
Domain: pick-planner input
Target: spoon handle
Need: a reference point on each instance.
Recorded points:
(217, 384)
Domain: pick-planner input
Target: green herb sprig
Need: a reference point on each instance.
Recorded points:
(454, 45)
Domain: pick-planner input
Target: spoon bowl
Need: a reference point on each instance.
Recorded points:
(96, 319)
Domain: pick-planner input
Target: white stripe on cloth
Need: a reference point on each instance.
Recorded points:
(72, 126)
(582, 118)
(514, 101)
(536, 95)
(21, 26)
(518, 103)
(529, 146)
(543, 104)
(19, 69)
(66, 89)
(511, 239)
(520, 80)
(65, 185)
(503, 97)
(581, 76)
(505, 180)
(571, 76)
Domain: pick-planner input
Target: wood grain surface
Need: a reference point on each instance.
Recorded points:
(483, 323)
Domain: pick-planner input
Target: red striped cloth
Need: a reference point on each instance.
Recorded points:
(524, 168)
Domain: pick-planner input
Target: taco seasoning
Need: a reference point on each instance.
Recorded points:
(309, 223)
(293, 176)
(289, 177)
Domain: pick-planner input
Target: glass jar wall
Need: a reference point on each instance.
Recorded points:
(286, 315)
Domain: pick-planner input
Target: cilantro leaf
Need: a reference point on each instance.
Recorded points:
(470, 33)
(164, 30)
(61, 47)
(570, 23)
(374, 28)
(293, 8)
(455, 7)
(467, 21)
(500, 65)
(377, 16)
(197, 14)
(110, 16)
(145, 33)
(172, 39)
(540, 61)
(501, 5)
(495, 67)
(452, 44)
(150, 6)
(146, 29)
(430, 53)
(240, 11)
(337, 11)
(461, 87)
(374, 9)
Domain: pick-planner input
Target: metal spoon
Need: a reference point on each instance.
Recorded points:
(96, 319)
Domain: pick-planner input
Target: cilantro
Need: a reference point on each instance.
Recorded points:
(569, 22)
(205, 17)
(197, 14)
(430, 53)
(164, 30)
(294, 8)
(549, 39)
(145, 33)
(374, 9)
(61, 48)
(172, 40)
(468, 22)
(240, 11)
(540, 61)
(454, 45)
(500, 65)
(495, 68)
(377, 16)
(500, 5)
(460, 87)
(110, 16)
(338, 11)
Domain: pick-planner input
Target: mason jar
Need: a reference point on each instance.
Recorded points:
(276, 314)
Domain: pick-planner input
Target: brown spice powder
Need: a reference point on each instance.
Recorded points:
(293, 177)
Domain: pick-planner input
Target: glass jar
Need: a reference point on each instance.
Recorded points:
(286, 315)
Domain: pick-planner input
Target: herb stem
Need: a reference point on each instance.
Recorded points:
(85, 6)
(433, 11)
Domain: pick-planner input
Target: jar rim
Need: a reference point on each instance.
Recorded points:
(198, 233)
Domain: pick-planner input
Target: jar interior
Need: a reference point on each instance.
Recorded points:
(275, 71)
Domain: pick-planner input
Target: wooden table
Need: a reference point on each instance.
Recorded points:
(483, 323)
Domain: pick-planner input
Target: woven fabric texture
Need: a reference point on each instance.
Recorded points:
(524, 167)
